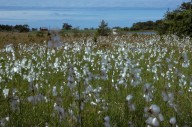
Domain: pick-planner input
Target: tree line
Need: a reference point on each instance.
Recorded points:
(17, 28)
(149, 25)
(178, 21)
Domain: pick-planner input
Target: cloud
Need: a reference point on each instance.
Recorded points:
(42, 12)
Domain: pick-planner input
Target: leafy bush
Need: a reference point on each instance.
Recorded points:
(178, 21)
(103, 29)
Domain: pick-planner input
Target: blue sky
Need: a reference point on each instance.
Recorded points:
(54, 13)
(94, 3)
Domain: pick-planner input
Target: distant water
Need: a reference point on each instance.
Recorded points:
(143, 32)
(78, 17)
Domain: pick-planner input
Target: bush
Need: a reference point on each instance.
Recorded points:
(177, 21)
(103, 29)
(40, 34)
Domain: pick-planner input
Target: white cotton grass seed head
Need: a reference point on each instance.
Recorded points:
(54, 91)
(4, 121)
(132, 107)
(165, 96)
(161, 118)
(93, 103)
(154, 109)
(172, 120)
(171, 97)
(106, 121)
(106, 124)
(146, 87)
(46, 124)
(129, 97)
(7, 118)
(5, 92)
(152, 121)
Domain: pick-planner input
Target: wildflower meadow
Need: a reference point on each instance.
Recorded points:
(114, 82)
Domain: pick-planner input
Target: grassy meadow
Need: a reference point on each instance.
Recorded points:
(118, 81)
(39, 37)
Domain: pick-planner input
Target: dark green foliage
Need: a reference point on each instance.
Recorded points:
(103, 29)
(185, 6)
(22, 28)
(161, 27)
(149, 25)
(19, 28)
(67, 26)
(178, 21)
(6, 28)
(95, 37)
(126, 28)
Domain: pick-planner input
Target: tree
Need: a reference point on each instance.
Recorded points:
(160, 26)
(22, 28)
(67, 26)
(103, 29)
(185, 6)
(19, 28)
(126, 28)
(6, 28)
(178, 21)
(148, 25)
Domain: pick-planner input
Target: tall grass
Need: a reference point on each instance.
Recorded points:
(146, 81)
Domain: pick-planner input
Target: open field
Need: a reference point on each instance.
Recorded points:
(16, 38)
(119, 81)
(41, 36)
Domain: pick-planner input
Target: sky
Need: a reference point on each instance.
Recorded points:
(83, 13)
(94, 3)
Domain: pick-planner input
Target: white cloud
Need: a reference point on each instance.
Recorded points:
(32, 13)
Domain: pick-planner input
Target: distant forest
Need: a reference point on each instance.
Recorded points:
(16, 28)
(178, 21)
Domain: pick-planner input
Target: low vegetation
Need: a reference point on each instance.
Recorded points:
(92, 78)
(118, 81)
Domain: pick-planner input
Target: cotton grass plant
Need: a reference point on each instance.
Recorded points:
(137, 81)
